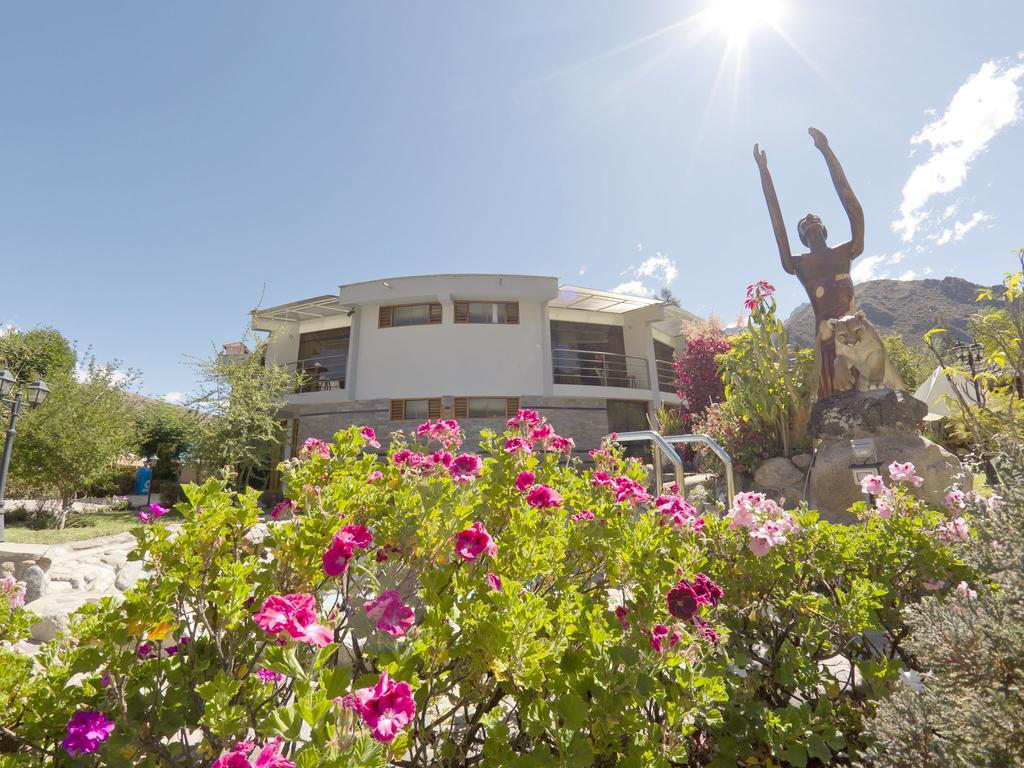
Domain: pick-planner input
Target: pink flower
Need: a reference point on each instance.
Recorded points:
(269, 676)
(523, 418)
(956, 529)
(294, 614)
(270, 756)
(582, 516)
(543, 497)
(312, 446)
(524, 480)
(543, 433)
(905, 473)
(236, 758)
(466, 468)
(86, 731)
(872, 484)
(386, 708)
(370, 436)
(679, 513)
(758, 293)
(390, 613)
(884, 507)
(561, 444)
(965, 591)
(474, 540)
(494, 581)
(600, 478)
(628, 491)
(14, 592)
(705, 631)
(517, 444)
(155, 511)
(622, 614)
(955, 499)
(342, 548)
(284, 507)
(445, 431)
(994, 502)
(686, 598)
(375, 476)
(658, 634)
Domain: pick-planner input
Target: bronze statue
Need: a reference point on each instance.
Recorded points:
(824, 271)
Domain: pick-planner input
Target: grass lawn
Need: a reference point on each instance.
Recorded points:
(82, 525)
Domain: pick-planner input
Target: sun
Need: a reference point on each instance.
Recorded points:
(736, 19)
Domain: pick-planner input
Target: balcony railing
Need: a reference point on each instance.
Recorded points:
(666, 376)
(319, 374)
(599, 369)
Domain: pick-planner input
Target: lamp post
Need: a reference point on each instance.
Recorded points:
(34, 394)
(970, 354)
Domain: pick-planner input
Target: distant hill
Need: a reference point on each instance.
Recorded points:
(909, 308)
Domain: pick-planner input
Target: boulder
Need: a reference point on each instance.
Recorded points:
(858, 414)
(780, 477)
(802, 460)
(53, 611)
(7, 569)
(36, 582)
(128, 574)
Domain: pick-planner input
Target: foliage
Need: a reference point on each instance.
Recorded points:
(168, 432)
(38, 353)
(767, 382)
(73, 440)
(522, 601)
(698, 381)
(913, 365)
(239, 398)
(965, 707)
(747, 445)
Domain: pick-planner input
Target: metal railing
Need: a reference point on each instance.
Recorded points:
(599, 369)
(320, 373)
(666, 376)
(663, 446)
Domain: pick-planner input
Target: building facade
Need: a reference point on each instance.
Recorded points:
(392, 353)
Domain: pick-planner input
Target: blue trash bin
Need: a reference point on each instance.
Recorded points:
(143, 477)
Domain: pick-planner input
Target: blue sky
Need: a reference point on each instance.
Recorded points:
(165, 167)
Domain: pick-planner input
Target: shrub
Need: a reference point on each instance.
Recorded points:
(513, 608)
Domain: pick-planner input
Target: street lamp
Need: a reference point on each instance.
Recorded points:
(34, 395)
(970, 354)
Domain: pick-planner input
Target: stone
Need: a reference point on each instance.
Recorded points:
(128, 574)
(104, 582)
(7, 569)
(859, 414)
(802, 460)
(114, 559)
(53, 611)
(782, 480)
(832, 487)
(254, 536)
(36, 582)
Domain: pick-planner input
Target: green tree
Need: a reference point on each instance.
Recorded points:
(168, 432)
(239, 398)
(36, 354)
(73, 441)
(913, 365)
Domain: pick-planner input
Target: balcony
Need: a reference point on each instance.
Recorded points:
(319, 374)
(599, 369)
(666, 377)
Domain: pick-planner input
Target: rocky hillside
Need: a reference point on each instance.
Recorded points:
(909, 308)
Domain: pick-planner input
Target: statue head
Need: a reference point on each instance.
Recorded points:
(809, 226)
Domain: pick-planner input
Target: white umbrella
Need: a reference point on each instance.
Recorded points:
(937, 393)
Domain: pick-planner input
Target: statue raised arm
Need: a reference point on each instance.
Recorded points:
(774, 211)
(849, 200)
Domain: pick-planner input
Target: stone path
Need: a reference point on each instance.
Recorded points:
(61, 578)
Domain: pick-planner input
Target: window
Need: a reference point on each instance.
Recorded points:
(493, 312)
(323, 358)
(390, 316)
(416, 408)
(484, 407)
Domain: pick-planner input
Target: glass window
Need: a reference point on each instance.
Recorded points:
(482, 312)
(416, 409)
(487, 407)
(414, 314)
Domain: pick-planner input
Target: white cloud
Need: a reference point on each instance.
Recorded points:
(175, 398)
(84, 373)
(987, 102)
(878, 268)
(960, 229)
(653, 274)
(633, 288)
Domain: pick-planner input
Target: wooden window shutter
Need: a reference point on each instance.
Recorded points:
(397, 410)
(460, 408)
(435, 313)
(512, 313)
(295, 438)
(434, 407)
(461, 311)
(385, 317)
(511, 407)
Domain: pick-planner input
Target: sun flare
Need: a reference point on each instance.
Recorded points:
(736, 19)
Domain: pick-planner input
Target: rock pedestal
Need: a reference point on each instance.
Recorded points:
(891, 418)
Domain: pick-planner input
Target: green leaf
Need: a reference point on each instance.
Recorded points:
(818, 749)
(285, 722)
(573, 711)
(796, 755)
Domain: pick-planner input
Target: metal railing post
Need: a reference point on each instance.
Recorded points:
(664, 444)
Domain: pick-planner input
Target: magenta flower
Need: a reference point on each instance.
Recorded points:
(440, 458)
(600, 478)
(561, 444)
(386, 708)
(517, 444)
(628, 491)
(679, 513)
(466, 467)
(543, 497)
(269, 675)
(524, 418)
(375, 476)
(390, 613)
(708, 593)
(314, 447)
(86, 731)
(905, 473)
(872, 484)
(342, 548)
(622, 614)
(494, 581)
(284, 507)
(658, 635)
(369, 436)
(543, 433)
(686, 598)
(13, 591)
(269, 757)
(582, 516)
(758, 293)
(474, 540)
(296, 615)
(524, 480)
(155, 511)
(704, 630)
(236, 758)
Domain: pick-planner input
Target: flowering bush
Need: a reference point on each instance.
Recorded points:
(513, 608)
(747, 444)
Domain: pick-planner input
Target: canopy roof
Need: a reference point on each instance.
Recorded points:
(306, 309)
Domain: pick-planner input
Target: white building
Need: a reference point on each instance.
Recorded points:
(392, 353)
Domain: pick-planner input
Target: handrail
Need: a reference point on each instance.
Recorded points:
(606, 368)
(320, 371)
(666, 375)
(664, 444)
